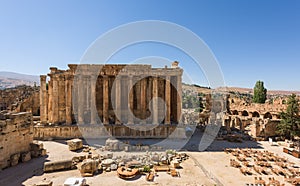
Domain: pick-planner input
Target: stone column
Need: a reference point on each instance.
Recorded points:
(55, 99)
(43, 100)
(61, 99)
(50, 97)
(118, 100)
(93, 106)
(105, 100)
(68, 92)
(80, 98)
(154, 100)
(130, 101)
(138, 93)
(143, 98)
(179, 98)
(88, 98)
(168, 100)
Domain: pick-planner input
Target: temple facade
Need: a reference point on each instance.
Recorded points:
(111, 94)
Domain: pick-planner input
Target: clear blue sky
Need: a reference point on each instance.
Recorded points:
(251, 39)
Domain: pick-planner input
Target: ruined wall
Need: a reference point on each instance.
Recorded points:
(20, 99)
(15, 138)
(31, 104)
(239, 105)
(263, 127)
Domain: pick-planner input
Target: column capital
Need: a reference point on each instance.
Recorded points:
(43, 77)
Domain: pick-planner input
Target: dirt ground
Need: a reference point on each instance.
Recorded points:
(210, 167)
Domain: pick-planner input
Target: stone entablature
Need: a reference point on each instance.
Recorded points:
(69, 96)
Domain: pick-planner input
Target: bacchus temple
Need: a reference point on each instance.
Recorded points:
(111, 94)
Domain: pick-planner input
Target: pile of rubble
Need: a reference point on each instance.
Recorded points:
(94, 162)
(36, 150)
(116, 145)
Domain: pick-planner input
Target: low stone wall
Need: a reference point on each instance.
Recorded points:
(16, 135)
(96, 131)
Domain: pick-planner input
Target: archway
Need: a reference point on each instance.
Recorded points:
(268, 115)
(245, 113)
(234, 112)
(255, 114)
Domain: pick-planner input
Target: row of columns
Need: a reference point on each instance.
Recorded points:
(56, 103)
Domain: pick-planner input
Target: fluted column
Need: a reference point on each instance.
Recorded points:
(43, 100)
(68, 92)
(179, 98)
(167, 100)
(105, 100)
(143, 98)
(50, 97)
(130, 101)
(87, 98)
(118, 100)
(80, 98)
(55, 105)
(93, 100)
(61, 99)
(155, 102)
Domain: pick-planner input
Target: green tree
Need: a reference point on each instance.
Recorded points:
(289, 126)
(260, 93)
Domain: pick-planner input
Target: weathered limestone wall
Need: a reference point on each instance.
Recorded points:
(31, 104)
(256, 127)
(263, 127)
(15, 138)
(242, 107)
(20, 99)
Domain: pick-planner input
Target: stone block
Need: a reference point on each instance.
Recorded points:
(58, 165)
(44, 183)
(89, 166)
(25, 156)
(75, 144)
(35, 146)
(14, 159)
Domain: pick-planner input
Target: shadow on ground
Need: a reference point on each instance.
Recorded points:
(16, 175)
(217, 145)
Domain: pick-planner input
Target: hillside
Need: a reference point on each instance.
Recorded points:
(205, 90)
(250, 91)
(12, 79)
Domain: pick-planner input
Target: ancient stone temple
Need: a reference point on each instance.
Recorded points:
(111, 94)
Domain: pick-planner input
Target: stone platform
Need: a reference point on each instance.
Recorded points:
(106, 131)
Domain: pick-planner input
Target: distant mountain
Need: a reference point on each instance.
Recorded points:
(205, 90)
(250, 91)
(12, 79)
